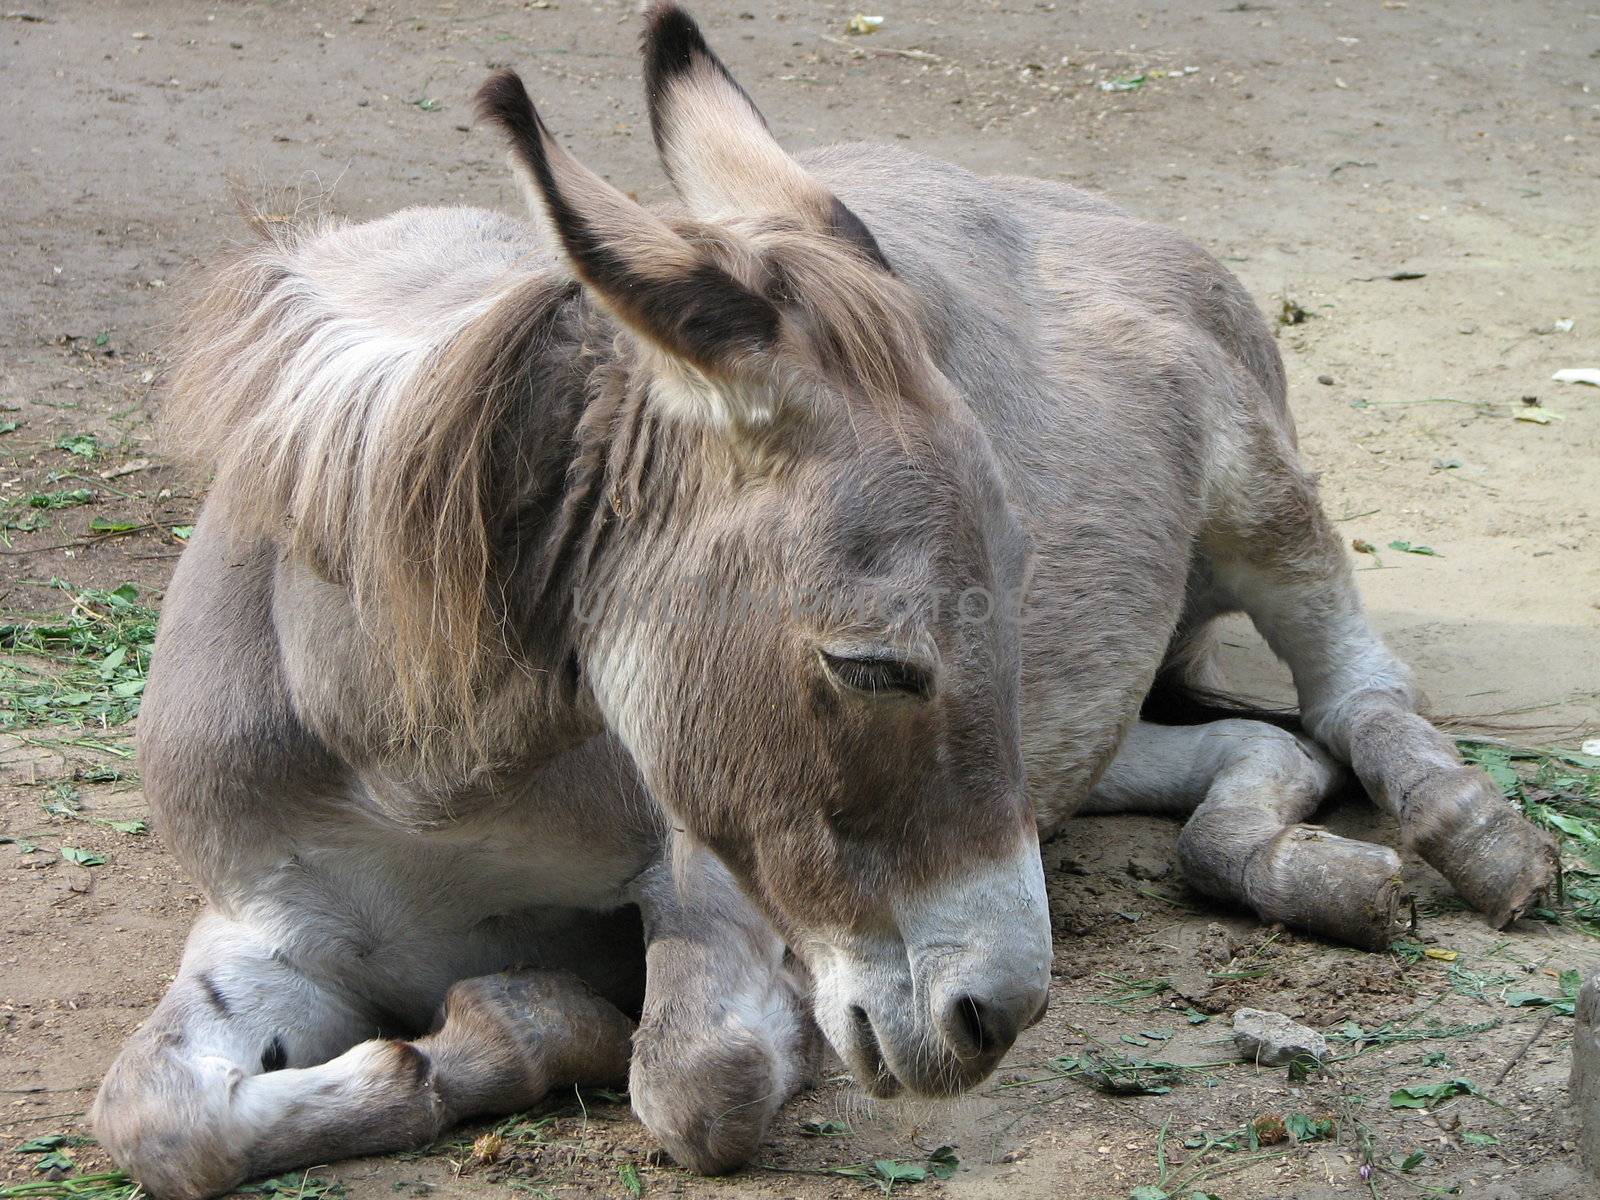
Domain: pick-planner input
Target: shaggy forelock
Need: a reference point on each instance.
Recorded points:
(860, 324)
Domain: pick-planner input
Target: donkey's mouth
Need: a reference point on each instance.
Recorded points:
(866, 1058)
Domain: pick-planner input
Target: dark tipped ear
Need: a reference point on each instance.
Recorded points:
(674, 47)
(635, 264)
(715, 144)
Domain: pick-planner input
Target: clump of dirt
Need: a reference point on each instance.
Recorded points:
(1354, 989)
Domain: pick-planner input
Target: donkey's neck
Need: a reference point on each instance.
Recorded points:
(599, 490)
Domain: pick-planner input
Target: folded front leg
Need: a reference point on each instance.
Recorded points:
(726, 1035)
(249, 1067)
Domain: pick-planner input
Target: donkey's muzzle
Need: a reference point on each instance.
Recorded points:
(934, 1006)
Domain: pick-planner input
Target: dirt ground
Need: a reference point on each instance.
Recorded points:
(1320, 149)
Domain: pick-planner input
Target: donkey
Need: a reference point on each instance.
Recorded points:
(486, 798)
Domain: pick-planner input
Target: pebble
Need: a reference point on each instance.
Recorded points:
(1325, 380)
(1270, 1039)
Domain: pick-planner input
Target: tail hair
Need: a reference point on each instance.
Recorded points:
(1172, 701)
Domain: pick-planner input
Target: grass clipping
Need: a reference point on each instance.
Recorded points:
(1558, 790)
(84, 669)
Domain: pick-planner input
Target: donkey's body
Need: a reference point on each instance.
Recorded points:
(1133, 400)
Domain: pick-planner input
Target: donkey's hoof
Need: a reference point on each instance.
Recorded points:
(551, 1023)
(160, 1120)
(1495, 858)
(1329, 885)
(707, 1099)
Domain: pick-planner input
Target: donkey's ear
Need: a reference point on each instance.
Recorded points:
(715, 143)
(633, 262)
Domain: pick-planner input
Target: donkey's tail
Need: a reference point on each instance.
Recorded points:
(1173, 700)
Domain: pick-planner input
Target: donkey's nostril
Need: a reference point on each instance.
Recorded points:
(985, 1029)
(969, 1020)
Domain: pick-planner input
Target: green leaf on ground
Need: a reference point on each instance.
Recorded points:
(84, 667)
(63, 499)
(1308, 1129)
(1410, 1162)
(84, 445)
(1557, 1004)
(51, 1141)
(824, 1129)
(1428, 1095)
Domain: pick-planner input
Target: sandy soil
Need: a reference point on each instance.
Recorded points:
(1319, 149)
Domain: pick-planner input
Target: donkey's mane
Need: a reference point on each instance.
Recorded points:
(372, 451)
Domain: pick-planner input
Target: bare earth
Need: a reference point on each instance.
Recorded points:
(1318, 149)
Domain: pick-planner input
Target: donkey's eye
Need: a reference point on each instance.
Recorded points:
(879, 674)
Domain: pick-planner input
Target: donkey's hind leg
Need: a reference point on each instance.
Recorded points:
(1274, 554)
(248, 1067)
(1249, 785)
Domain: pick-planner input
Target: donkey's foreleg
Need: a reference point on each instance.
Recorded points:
(1249, 786)
(1358, 700)
(726, 1035)
(232, 1077)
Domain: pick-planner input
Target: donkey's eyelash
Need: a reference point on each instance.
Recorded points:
(879, 674)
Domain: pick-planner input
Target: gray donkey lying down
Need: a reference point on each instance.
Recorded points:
(628, 647)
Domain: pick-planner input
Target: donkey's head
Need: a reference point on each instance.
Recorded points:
(801, 617)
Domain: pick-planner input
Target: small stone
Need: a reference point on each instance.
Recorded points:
(1468, 327)
(1325, 380)
(1147, 866)
(236, 45)
(1270, 1039)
